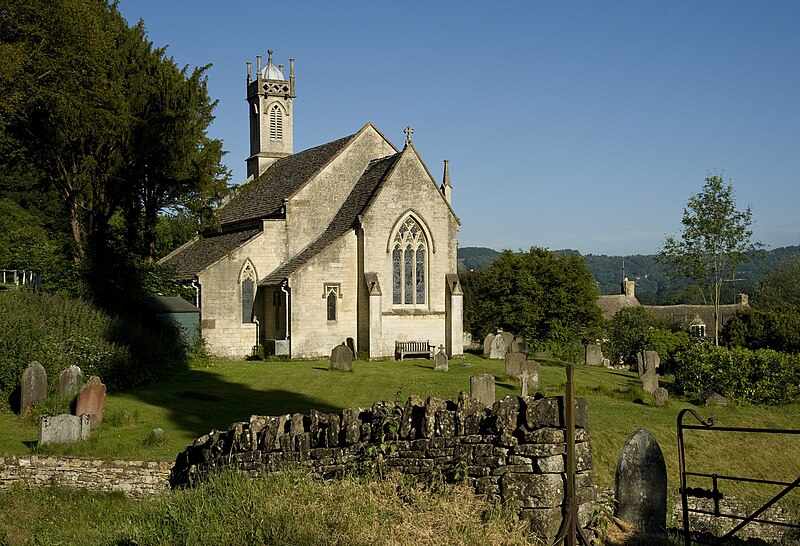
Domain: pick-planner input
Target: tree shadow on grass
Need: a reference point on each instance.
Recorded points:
(198, 401)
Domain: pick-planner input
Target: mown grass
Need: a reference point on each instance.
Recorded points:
(193, 402)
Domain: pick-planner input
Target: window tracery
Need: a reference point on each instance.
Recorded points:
(409, 264)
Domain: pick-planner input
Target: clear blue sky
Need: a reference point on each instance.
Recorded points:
(583, 125)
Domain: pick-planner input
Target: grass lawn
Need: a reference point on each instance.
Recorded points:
(192, 403)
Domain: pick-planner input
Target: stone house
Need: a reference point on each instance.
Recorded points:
(698, 320)
(350, 239)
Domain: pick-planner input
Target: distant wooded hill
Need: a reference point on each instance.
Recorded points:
(653, 287)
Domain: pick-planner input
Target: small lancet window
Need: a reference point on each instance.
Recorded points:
(275, 123)
(332, 295)
(248, 286)
(409, 265)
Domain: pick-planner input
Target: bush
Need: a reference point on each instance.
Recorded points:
(633, 329)
(753, 329)
(761, 377)
(58, 331)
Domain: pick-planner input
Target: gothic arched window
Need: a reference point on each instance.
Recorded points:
(248, 286)
(409, 264)
(275, 123)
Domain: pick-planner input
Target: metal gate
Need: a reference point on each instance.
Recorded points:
(714, 493)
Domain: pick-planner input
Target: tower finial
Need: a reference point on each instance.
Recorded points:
(408, 131)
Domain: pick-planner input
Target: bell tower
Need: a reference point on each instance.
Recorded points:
(269, 100)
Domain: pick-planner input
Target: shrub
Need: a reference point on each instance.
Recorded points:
(762, 376)
(58, 331)
(633, 329)
(753, 329)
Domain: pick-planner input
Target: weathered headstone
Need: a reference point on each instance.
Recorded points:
(342, 359)
(487, 345)
(70, 381)
(499, 347)
(519, 345)
(650, 381)
(710, 397)
(641, 484)
(92, 400)
(33, 387)
(532, 367)
(156, 437)
(514, 362)
(441, 360)
(647, 361)
(351, 344)
(524, 382)
(63, 429)
(661, 396)
(509, 339)
(593, 355)
(481, 388)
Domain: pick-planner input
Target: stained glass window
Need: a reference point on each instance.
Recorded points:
(409, 264)
(248, 297)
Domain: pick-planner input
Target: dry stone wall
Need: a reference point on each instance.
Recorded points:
(134, 478)
(513, 451)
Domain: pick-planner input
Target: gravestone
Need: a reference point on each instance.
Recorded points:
(509, 339)
(593, 355)
(647, 360)
(532, 367)
(156, 437)
(712, 398)
(650, 381)
(661, 396)
(481, 388)
(63, 429)
(524, 382)
(519, 345)
(441, 360)
(514, 363)
(641, 484)
(351, 344)
(342, 359)
(33, 387)
(70, 381)
(487, 345)
(92, 400)
(499, 347)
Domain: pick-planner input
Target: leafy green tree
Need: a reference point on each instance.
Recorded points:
(780, 290)
(634, 329)
(716, 238)
(535, 294)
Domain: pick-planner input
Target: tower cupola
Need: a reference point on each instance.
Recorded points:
(269, 98)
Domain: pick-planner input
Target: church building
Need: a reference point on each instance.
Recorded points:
(352, 239)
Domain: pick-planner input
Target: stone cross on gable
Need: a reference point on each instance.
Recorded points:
(408, 131)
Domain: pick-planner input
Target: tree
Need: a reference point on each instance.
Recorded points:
(536, 294)
(780, 290)
(714, 241)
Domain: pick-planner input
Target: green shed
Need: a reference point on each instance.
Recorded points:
(179, 311)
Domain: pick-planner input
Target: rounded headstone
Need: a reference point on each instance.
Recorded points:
(70, 381)
(487, 345)
(499, 347)
(92, 400)
(641, 484)
(33, 387)
(342, 358)
(661, 396)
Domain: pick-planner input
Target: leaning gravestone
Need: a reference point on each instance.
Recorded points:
(593, 355)
(441, 361)
(70, 381)
(499, 347)
(481, 388)
(92, 400)
(641, 484)
(661, 396)
(650, 381)
(63, 429)
(33, 388)
(514, 363)
(487, 345)
(351, 344)
(342, 359)
(646, 361)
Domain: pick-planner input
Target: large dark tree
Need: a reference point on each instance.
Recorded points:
(108, 122)
(537, 294)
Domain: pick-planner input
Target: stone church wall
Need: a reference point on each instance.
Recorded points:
(513, 452)
(337, 264)
(310, 211)
(410, 189)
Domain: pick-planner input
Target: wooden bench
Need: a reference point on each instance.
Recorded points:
(420, 348)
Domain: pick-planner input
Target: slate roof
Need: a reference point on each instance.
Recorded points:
(264, 196)
(345, 219)
(196, 255)
(685, 314)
